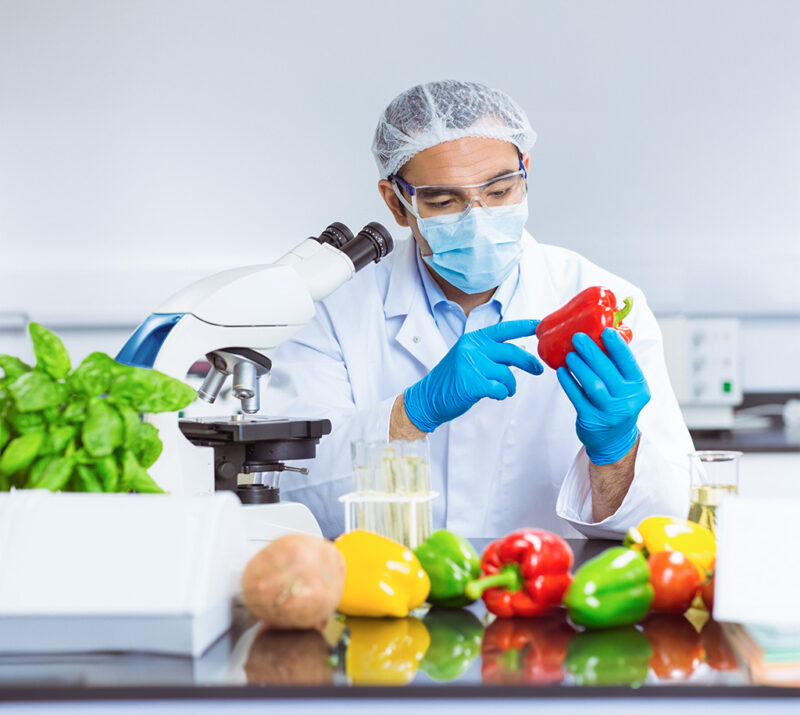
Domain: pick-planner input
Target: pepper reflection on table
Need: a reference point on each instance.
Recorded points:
(546, 650)
(526, 651)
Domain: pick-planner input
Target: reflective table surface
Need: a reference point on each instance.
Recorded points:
(439, 653)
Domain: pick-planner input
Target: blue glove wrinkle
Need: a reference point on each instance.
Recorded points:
(608, 392)
(477, 366)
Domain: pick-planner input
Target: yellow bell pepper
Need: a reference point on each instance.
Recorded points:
(385, 651)
(665, 533)
(383, 578)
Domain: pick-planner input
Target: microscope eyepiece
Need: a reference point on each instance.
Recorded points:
(337, 235)
(372, 243)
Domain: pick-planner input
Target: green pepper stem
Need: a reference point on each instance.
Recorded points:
(622, 313)
(509, 578)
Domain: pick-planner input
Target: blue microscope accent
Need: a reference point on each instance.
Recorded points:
(143, 346)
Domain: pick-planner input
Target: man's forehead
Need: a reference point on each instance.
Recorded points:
(470, 160)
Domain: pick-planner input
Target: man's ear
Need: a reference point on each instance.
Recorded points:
(388, 195)
(526, 162)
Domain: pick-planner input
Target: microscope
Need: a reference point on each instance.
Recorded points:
(236, 318)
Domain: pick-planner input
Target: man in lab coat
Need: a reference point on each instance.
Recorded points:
(438, 340)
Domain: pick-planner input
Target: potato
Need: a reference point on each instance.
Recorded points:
(296, 582)
(289, 658)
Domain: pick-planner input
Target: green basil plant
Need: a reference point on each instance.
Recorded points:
(80, 430)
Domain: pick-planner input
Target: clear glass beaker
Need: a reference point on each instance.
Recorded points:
(714, 476)
(392, 493)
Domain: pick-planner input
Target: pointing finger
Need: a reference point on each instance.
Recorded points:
(508, 330)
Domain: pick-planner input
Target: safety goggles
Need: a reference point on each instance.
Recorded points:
(430, 200)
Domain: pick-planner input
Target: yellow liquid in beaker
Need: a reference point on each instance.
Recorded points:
(704, 502)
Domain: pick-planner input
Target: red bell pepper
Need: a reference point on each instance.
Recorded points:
(518, 651)
(525, 573)
(591, 311)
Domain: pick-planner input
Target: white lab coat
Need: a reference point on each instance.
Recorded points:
(501, 465)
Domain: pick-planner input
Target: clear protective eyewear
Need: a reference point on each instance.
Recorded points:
(443, 200)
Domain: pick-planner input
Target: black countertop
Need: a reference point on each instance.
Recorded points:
(683, 658)
(774, 439)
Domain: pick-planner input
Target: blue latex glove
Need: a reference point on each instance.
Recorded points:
(608, 392)
(477, 366)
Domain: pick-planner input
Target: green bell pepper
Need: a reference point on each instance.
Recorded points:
(616, 656)
(456, 637)
(612, 589)
(451, 562)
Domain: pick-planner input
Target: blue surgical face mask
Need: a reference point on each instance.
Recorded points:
(478, 251)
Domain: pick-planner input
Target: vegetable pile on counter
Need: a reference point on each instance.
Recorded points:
(66, 429)
(618, 618)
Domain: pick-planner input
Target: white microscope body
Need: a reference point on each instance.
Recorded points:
(256, 307)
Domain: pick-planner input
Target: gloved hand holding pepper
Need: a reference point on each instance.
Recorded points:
(608, 392)
(477, 366)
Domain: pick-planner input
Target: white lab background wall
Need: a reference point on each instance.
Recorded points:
(144, 143)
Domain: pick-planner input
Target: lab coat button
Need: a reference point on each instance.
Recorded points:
(417, 338)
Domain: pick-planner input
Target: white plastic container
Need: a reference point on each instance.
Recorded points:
(117, 572)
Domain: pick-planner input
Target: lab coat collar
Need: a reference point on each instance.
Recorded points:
(402, 288)
(536, 293)
(406, 296)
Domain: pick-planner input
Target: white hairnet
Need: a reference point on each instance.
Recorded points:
(436, 112)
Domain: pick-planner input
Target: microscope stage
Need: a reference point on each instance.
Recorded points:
(252, 429)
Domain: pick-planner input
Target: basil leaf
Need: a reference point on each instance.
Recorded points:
(94, 375)
(107, 469)
(89, 479)
(25, 422)
(141, 438)
(148, 446)
(5, 433)
(51, 355)
(131, 421)
(151, 391)
(74, 412)
(101, 433)
(135, 477)
(57, 439)
(20, 452)
(35, 391)
(13, 367)
(38, 468)
(56, 475)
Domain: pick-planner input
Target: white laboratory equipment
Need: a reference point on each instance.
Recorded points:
(704, 365)
(237, 318)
